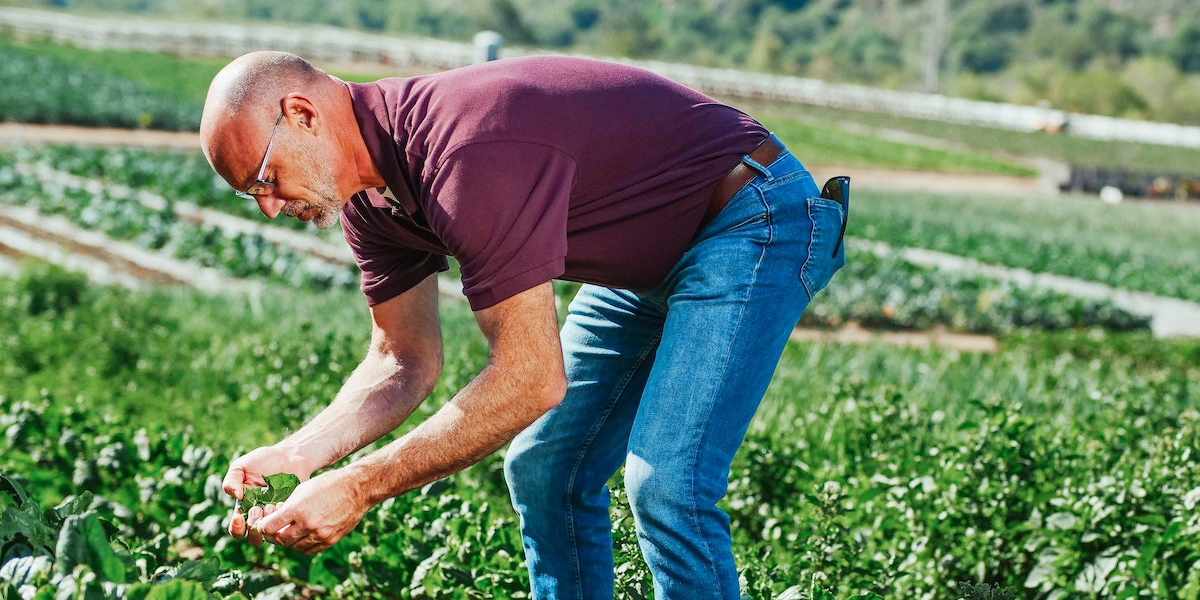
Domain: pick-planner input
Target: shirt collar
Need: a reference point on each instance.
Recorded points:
(384, 144)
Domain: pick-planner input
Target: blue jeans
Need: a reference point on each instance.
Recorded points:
(666, 381)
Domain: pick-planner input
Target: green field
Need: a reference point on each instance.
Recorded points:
(870, 468)
(1066, 462)
(1145, 246)
(1064, 465)
(160, 91)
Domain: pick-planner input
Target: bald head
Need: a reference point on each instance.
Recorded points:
(256, 81)
(277, 100)
(245, 97)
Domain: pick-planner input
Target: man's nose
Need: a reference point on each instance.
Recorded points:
(269, 205)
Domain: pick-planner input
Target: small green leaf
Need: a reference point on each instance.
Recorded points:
(13, 489)
(279, 487)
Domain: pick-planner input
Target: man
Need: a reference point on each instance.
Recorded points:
(699, 237)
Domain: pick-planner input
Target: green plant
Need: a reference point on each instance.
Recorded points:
(109, 101)
(47, 288)
(984, 591)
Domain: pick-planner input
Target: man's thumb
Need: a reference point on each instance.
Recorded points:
(233, 482)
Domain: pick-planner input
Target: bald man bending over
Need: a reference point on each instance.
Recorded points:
(699, 239)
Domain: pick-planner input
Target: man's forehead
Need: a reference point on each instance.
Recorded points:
(233, 155)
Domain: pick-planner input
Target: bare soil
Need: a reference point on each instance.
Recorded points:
(135, 270)
(22, 133)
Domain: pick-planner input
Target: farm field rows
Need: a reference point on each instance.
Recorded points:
(887, 292)
(1066, 464)
(1066, 461)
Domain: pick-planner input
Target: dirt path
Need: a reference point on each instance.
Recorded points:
(21, 133)
(72, 243)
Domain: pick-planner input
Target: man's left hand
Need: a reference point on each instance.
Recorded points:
(318, 513)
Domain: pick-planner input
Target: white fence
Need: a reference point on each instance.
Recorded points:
(331, 44)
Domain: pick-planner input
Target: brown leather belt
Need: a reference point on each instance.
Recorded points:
(741, 174)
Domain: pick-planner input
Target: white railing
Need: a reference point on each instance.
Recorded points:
(339, 45)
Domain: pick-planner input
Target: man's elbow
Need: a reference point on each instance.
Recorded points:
(422, 373)
(414, 374)
(550, 392)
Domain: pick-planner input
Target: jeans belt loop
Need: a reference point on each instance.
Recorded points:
(764, 154)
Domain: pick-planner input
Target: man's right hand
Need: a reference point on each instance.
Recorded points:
(251, 469)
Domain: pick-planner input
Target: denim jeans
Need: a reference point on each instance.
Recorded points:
(665, 381)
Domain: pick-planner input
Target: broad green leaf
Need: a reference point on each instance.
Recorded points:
(279, 487)
(203, 571)
(23, 531)
(138, 591)
(83, 541)
(74, 505)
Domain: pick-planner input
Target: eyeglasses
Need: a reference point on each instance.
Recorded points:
(260, 187)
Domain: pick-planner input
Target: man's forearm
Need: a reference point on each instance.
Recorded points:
(482, 417)
(377, 397)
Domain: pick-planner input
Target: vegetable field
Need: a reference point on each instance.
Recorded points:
(1063, 465)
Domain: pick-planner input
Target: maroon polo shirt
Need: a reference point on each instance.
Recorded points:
(531, 169)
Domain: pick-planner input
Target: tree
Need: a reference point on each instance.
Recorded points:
(1184, 48)
(986, 37)
(504, 17)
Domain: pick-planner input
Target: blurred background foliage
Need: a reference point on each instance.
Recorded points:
(1123, 58)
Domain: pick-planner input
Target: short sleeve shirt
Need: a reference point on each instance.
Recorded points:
(530, 169)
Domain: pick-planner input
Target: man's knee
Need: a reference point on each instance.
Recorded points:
(654, 490)
(529, 475)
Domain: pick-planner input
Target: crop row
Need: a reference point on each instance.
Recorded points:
(239, 254)
(1139, 246)
(1144, 246)
(178, 175)
(877, 291)
(38, 89)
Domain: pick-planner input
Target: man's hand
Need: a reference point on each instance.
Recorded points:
(319, 513)
(251, 470)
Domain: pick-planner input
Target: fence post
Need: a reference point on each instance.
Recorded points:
(487, 46)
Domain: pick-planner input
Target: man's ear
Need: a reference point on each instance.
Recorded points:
(300, 111)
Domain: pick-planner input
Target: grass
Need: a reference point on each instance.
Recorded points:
(183, 77)
(821, 144)
(1017, 145)
(238, 369)
(280, 357)
(1054, 377)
